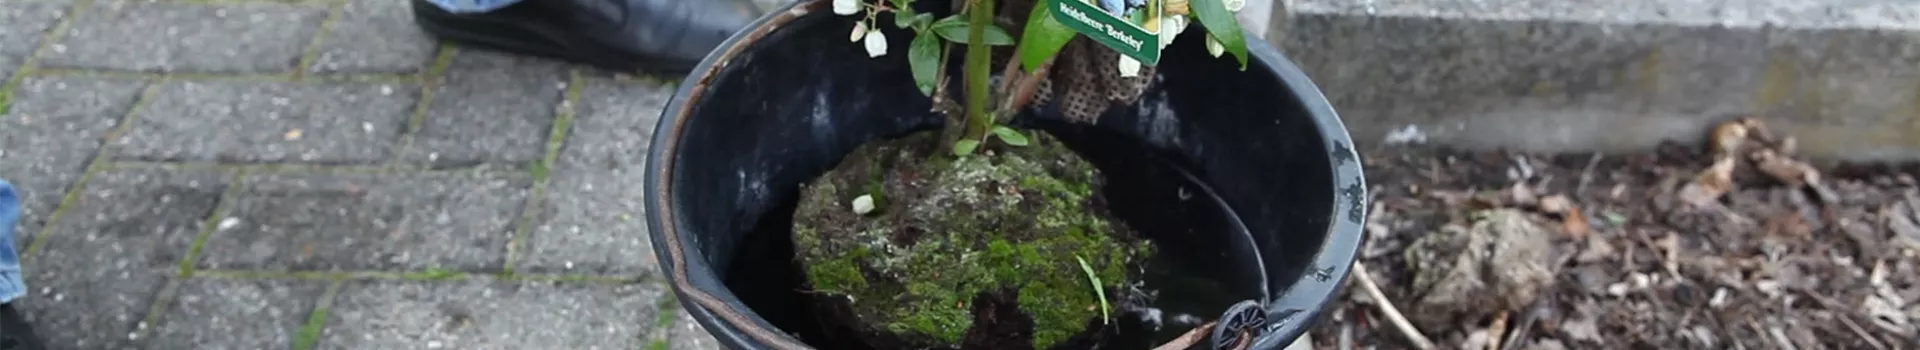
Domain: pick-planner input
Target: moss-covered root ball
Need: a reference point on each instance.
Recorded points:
(1005, 227)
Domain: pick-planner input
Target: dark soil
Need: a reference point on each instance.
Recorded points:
(1633, 265)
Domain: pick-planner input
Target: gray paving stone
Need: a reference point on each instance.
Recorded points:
(375, 36)
(94, 281)
(51, 132)
(187, 37)
(687, 334)
(490, 315)
(369, 222)
(8, 65)
(491, 108)
(593, 221)
(216, 314)
(22, 25)
(271, 122)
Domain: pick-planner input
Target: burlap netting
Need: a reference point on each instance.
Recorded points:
(1085, 77)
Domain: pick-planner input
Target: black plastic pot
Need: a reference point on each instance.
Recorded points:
(782, 101)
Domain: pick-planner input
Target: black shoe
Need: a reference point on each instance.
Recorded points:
(659, 36)
(15, 334)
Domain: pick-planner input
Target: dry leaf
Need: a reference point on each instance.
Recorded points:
(1547, 344)
(1788, 224)
(1899, 218)
(1756, 129)
(1580, 329)
(1707, 187)
(1884, 314)
(1575, 223)
(294, 134)
(1477, 340)
(1520, 194)
(1728, 137)
(1555, 204)
(1597, 250)
(1783, 169)
(1793, 173)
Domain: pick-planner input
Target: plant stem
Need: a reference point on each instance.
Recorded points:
(979, 57)
(1029, 84)
(1010, 70)
(957, 123)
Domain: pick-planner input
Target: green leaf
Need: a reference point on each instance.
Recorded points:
(1043, 37)
(903, 17)
(902, 4)
(1011, 136)
(1097, 290)
(923, 55)
(921, 21)
(955, 29)
(965, 147)
(1222, 26)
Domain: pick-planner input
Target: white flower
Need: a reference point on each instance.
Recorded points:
(1129, 67)
(863, 204)
(876, 43)
(1171, 27)
(846, 7)
(859, 31)
(1232, 5)
(1214, 47)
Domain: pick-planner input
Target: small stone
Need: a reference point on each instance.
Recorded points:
(1617, 289)
(863, 204)
(1769, 287)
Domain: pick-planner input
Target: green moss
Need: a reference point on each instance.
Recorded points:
(1002, 226)
(838, 275)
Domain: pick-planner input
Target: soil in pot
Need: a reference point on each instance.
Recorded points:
(910, 242)
(1167, 251)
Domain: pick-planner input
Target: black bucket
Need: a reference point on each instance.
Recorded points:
(785, 99)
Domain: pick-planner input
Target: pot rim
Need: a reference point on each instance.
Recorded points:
(1304, 300)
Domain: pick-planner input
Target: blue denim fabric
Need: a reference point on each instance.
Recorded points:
(12, 284)
(472, 6)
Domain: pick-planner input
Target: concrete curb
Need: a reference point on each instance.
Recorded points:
(1843, 76)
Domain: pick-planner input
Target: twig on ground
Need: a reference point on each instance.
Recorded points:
(1781, 337)
(1528, 322)
(1498, 329)
(1846, 317)
(1193, 336)
(1372, 289)
(1847, 320)
(1586, 176)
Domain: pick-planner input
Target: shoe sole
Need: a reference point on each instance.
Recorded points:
(521, 38)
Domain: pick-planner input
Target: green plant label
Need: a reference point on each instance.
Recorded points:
(1115, 23)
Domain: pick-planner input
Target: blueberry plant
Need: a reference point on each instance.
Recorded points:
(947, 226)
(1041, 40)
